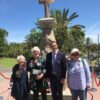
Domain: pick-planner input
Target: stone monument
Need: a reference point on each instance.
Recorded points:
(47, 23)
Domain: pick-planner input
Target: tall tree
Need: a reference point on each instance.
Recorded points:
(88, 42)
(3, 41)
(31, 40)
(14, 49)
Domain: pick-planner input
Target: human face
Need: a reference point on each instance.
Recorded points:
(75, 55)
(54, 46)
(21, 62)
(36, 53)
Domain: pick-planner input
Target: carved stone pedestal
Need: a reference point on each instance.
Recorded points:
(47, 25)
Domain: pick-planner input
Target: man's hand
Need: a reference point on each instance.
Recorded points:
(40, 76)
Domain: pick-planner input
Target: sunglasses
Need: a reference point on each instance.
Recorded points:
(75, 54)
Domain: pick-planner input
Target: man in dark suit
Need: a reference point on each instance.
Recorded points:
(56, 70)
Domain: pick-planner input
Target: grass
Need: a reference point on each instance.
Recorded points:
(7, 62)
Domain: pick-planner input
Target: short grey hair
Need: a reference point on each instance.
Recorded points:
(35, 49)
(20, 57)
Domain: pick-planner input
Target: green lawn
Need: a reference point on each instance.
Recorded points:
(7, 62)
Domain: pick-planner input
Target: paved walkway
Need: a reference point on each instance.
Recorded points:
(4, 69)
(4, 85)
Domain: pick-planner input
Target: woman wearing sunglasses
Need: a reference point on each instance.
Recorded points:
(19, 80)
(78, 75)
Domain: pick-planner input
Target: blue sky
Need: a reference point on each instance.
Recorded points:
(18, 17)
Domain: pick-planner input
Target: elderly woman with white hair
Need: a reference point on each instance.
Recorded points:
(19, 79)
(36, 65)
(78, 75)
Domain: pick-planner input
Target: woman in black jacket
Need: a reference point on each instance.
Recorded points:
(19, 79)
(36, 66)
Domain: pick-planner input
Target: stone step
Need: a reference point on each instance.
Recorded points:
(66, 95)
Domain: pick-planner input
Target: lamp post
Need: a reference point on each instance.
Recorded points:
(98, 51)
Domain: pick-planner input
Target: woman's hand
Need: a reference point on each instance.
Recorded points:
(40, 76)
(88, 87)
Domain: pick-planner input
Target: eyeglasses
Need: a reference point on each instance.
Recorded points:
(75, 54)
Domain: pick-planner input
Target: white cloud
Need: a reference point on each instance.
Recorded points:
(93, 31)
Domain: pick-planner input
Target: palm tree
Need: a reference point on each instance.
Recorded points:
(66, 36)
(77, 35)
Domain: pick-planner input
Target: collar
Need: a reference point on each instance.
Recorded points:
(79, 60)
(55, 52)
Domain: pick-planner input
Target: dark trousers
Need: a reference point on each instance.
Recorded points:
(39, 88)
(56, 88)
(36, 95)
(82, 94)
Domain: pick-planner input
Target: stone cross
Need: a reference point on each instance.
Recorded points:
(46, 6)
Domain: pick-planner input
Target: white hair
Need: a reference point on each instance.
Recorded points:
(20, 57)
(35, 49)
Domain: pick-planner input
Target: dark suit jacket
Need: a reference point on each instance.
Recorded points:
(60, 64)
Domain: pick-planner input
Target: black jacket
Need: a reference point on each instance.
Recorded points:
(20, 83)
(60, 64)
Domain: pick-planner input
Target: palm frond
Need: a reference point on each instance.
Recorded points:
(73, 16)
